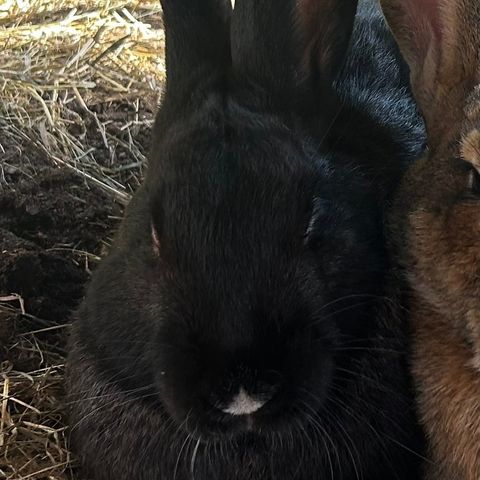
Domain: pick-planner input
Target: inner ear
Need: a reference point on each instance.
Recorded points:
(426, 12)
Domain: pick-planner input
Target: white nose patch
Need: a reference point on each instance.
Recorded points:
(243, 404)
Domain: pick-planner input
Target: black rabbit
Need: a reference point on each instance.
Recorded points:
(240, 328)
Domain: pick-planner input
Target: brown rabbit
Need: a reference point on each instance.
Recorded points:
(435, 226)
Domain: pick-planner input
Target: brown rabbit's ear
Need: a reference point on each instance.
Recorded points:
(440, 41)
(421, 34)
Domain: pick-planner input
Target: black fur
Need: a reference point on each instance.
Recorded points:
(266, 190)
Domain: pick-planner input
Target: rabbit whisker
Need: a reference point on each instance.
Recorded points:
(194, 457)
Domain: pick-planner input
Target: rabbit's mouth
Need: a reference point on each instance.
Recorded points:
(262, 411)
(256, 425)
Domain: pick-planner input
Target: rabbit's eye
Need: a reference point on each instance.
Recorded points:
(314, 212)
(312, 235)
(155, 239)
(474, 181)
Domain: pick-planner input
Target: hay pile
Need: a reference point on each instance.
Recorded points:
(69, 66)
(33, 439)
(79, 84)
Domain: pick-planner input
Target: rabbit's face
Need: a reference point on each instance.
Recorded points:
(441, 196)
(263, 263)
(445, 225)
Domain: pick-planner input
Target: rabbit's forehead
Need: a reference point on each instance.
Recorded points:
(241, 199)
(223, 176)
(231, 203)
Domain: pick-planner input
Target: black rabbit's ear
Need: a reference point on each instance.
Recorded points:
(325, 28)
(282, 44)
(197, 34)
(262, 43)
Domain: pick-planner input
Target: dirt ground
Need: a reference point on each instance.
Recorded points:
(54, 227)
(80, 82)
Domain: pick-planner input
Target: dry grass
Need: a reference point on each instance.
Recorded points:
(79, 83)
(70, 66)
(33, 437)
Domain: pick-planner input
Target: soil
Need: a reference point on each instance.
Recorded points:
(54, 227)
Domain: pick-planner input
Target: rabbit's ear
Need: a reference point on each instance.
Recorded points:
(440, 39)
(282, 45)
(197, 34)
(325, 28)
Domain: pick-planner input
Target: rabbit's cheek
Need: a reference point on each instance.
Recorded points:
(446, 257)
(463, 241)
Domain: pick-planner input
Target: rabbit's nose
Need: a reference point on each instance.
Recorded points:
(244, 403)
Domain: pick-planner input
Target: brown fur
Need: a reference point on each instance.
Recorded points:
(435, 227)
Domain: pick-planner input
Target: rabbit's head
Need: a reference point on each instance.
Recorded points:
(440, 202)
(265, 248)
(251, 265)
